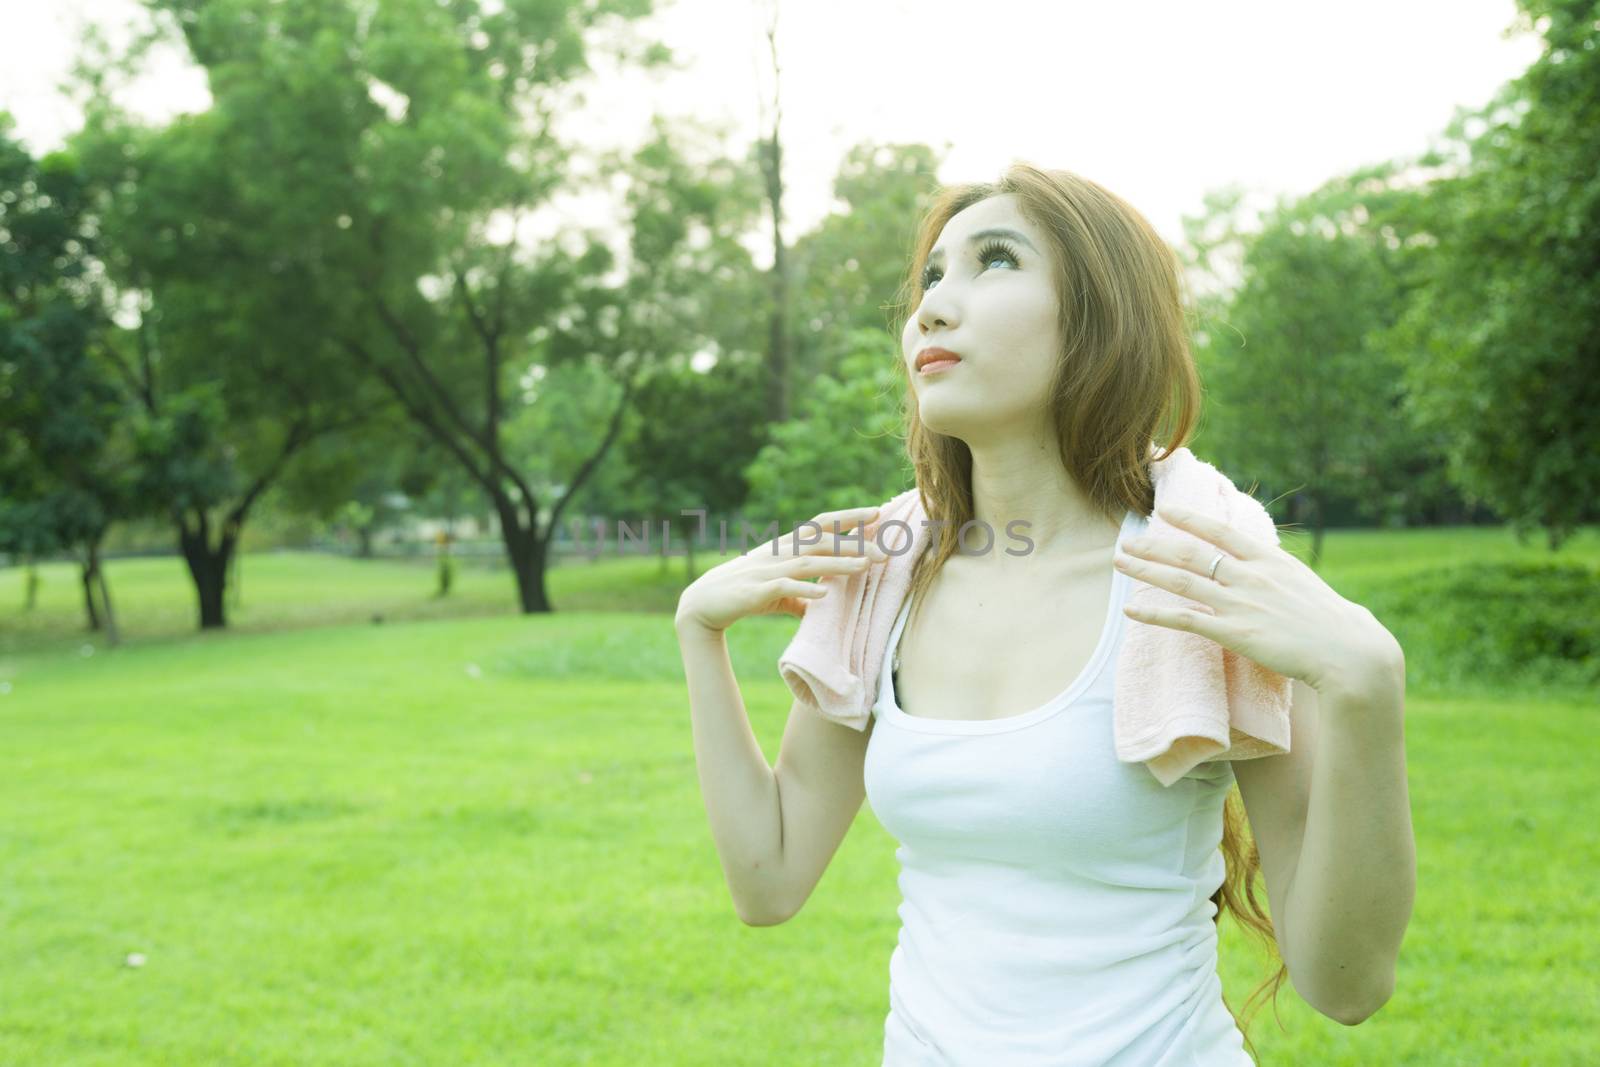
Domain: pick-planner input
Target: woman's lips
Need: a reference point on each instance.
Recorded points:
(937, 365)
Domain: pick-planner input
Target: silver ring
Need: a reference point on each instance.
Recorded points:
(1213, 574)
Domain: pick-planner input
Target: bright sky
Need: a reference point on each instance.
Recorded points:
(1158, 101)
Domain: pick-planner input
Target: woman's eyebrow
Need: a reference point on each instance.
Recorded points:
(994, 231)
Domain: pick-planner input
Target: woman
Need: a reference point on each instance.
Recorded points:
(1060, 907)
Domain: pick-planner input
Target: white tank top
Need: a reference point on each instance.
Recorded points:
(1055, 900)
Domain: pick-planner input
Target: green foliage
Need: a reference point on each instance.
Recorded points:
(696, 433)
(41, 207)
(1505, 624)
(67, 468)
(361, 477)
(1426, 331)
(1301, 389)
(232, 359)
(846, 447)
(847, 271)
(559, 421)
(689, 289)
(1504, 337)
(185, 457)
(325, 239)
(356, 514)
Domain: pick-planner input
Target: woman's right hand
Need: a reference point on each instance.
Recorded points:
(769, 578)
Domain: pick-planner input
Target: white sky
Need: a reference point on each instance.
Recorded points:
(1159, 101)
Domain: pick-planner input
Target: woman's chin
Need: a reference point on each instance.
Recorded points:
(945, 420)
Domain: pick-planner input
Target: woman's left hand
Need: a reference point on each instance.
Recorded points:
(1268, 606)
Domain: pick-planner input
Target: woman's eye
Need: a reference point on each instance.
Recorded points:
(996, 251)
(988, 255)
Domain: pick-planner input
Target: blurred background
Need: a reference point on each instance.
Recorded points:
(339, 340)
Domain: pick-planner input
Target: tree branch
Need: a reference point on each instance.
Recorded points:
(491, 351)
(145, 347)
(126, 371)
(478, 324)
(589, 465)
(408, 345)
(421, 414)
(505, 271)
(300, 433)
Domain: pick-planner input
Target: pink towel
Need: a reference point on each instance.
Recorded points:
(1180, 699)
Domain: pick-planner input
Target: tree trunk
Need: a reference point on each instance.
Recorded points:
(778, 334)
(364, 540)
(89, 605)
(113, 635)
(771, 156)
(97, 593)
(208, 567)
(529, 555)
(108, 616)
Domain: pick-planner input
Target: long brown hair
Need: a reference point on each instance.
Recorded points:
(1125, 379)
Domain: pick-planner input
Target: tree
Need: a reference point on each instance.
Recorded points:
(395, 147)
(1302, 390)
(229, 356)
(67, 463)
(338, 181)
(695, 435)
(1506, 332)
(27, 529)
(359, 476)
(849, 268)
(768, 152)
(844, 450)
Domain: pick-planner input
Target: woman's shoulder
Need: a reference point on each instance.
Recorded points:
(1240, 506)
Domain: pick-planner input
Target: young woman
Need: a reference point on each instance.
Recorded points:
(1061, 907)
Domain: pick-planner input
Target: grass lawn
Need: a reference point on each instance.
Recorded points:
(468, 836)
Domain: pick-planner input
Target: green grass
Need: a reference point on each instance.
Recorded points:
(154, 599)
(472, 836)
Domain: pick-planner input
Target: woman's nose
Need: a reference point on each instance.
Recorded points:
(933, 313)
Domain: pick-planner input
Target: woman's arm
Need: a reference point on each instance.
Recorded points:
(739, 787)
(1355, 881)
(736, 782)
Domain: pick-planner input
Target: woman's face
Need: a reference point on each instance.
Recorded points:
(989, 298)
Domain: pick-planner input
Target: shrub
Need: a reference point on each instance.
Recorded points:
(1495, 624)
